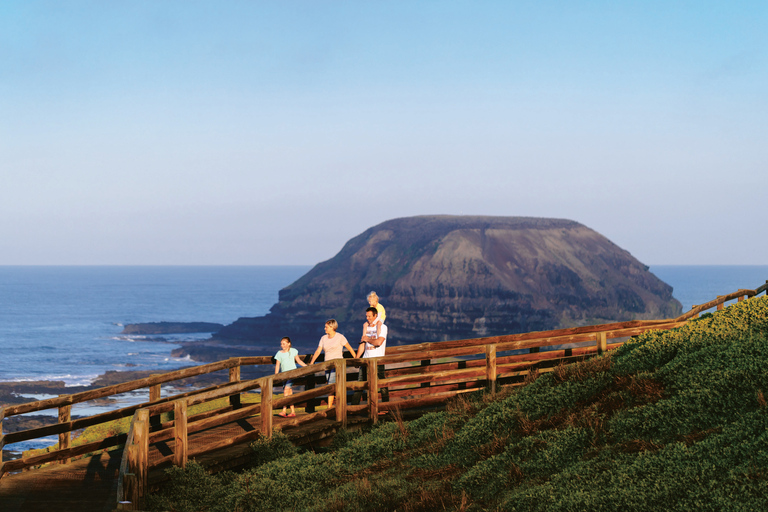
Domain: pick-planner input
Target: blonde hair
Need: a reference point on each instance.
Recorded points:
(333, 324)
(372, 294)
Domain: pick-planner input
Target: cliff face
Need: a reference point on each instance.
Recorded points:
(448, 277)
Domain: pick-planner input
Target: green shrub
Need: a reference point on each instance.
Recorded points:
(191, 490)
(268, 449)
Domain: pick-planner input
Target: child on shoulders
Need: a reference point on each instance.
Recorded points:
(373, 301)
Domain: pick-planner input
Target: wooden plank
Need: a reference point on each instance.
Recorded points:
(65, 437)
(2, 439)
(254, 360)
(432, 377)
(601, 342)
(266, 406)
(417, 392)
(434, 353)
(422, 402)
(154, 392)
(131, 491)
(234, 376)
(341, 392)
(141, 463)
(180, 433)
(490, 367)
(373, 390)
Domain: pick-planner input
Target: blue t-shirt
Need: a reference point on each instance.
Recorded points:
(287, 360)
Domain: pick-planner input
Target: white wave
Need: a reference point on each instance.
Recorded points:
(33, 444)
(69, 379)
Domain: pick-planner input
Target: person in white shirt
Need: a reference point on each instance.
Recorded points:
(372, 344)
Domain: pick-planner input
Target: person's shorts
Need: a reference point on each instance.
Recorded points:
(330, 376)
(288, 384)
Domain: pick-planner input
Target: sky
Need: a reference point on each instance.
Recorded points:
(266, 133)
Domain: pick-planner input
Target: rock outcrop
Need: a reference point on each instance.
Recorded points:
(453, 277)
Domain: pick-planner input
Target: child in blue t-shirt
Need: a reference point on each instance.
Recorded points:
(287, 358)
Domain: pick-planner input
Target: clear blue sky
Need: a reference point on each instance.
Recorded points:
(182, 132)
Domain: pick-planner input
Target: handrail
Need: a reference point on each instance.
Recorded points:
(420, 356)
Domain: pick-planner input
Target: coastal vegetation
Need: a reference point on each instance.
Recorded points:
(671, 420)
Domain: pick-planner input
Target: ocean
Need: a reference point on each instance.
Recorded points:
(64, 323)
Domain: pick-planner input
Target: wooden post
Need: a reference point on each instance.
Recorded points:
(692, 308)
(720, 306)
(266, 406)
(180, 433)
(2, 439)
(130, 485)
(373, 389)
(490, 367)
(154, 391)
(602, 342)
(740, 298)
(154, 395)
(141, 462)
(65, 412)
(234, 376)
(341, 391)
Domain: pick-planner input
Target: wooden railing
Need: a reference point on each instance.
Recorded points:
(416, 376)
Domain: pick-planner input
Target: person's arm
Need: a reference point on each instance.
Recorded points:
(378, 341)
(365, 330)
(349, 347)
(360, 350)
(299, 361)
(277, 367)
(316, 354)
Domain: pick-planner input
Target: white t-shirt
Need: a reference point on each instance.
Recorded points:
(372, 351)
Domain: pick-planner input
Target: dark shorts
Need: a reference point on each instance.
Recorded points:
(330, 376)
(288, 384)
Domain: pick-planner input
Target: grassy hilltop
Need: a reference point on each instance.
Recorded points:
(673, 420)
